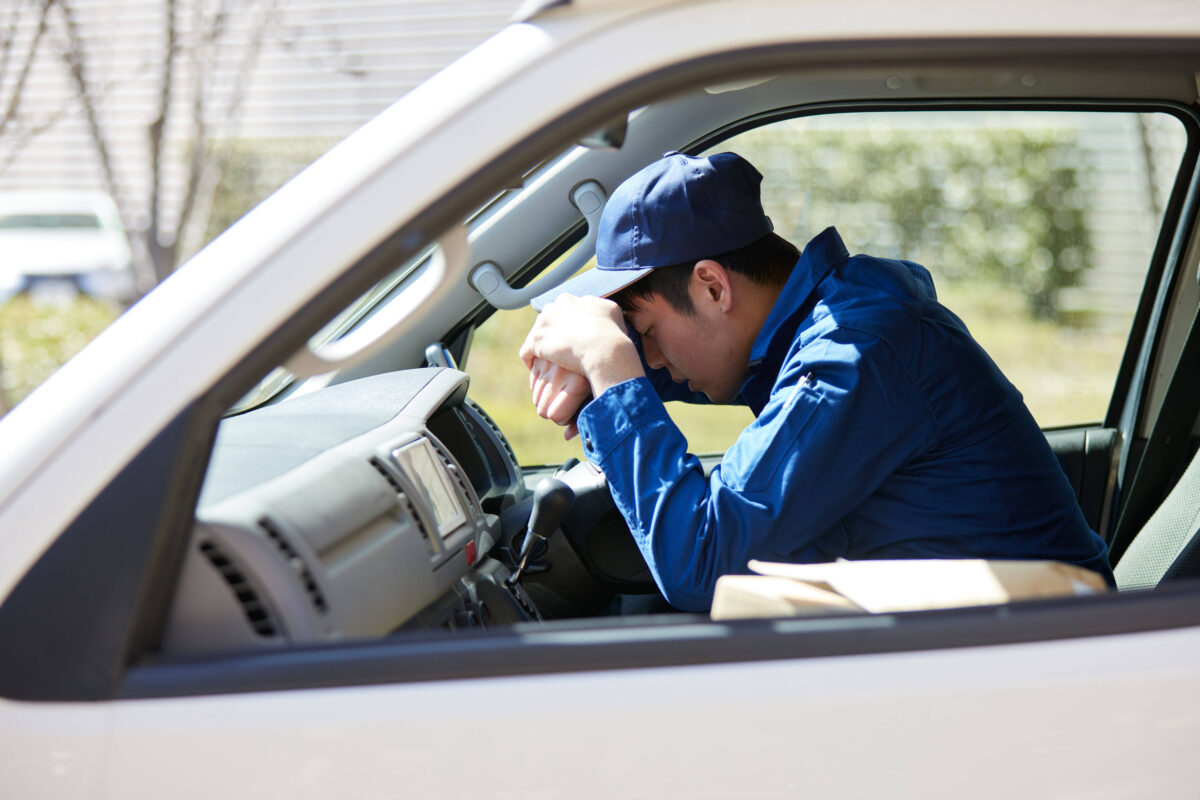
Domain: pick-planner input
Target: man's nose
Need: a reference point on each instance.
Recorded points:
(654, 356)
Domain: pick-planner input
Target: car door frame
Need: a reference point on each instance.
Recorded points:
(89, 658)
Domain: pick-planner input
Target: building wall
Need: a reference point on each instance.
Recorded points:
(322, 69)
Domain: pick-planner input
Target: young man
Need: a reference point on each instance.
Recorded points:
(882, 429)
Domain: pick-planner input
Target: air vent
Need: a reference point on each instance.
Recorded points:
(256, 611)
(401, 497)
(483, 415)
(298, 565)
(465, 489)
(412, 513)
(387, 476)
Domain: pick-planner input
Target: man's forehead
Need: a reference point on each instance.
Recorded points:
(646, 311)
(641, 305)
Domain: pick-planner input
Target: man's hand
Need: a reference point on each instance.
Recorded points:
(558, 394)
(573, 338)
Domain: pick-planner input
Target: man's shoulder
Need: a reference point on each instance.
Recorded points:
(884, 309)
(876, 296)
(887, 280)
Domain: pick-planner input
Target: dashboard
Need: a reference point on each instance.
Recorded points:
(377, 505)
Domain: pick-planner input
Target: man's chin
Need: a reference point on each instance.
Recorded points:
(706, 392)
(718, 398)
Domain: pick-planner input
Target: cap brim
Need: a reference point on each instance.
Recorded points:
(593, 283)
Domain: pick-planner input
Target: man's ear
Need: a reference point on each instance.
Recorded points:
(710, 285)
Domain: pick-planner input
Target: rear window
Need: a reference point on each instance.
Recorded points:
(49, 221)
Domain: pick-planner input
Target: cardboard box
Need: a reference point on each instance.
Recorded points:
(780, 590)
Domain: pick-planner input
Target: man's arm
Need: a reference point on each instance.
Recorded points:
(577, 348)
(586, 336)
(559, 392)
(810, 458)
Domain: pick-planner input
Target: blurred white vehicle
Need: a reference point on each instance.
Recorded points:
(257, 539)
(63, 238)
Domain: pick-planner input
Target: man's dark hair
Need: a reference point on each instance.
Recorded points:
(767, 261)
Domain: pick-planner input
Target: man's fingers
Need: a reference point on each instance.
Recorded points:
(543, 379)
(526, 349)
(573, 332)
(542, 402)
(557, 393)
(564, 404)
(539, 388)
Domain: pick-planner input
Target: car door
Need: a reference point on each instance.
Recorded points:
(737, 678)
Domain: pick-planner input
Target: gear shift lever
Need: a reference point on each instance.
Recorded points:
(552, 499)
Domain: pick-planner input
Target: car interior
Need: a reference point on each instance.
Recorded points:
(385, 499)
(367, 514)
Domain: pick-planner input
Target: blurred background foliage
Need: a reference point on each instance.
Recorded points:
(1004, 206)
(999, 216)
(252, 169)
(38, 335)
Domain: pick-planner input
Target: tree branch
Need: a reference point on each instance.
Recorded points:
(28, 135)
(20, 137)
(14, 101)
(76, 62)
(206, 167)
(8, 41)
(160, 255)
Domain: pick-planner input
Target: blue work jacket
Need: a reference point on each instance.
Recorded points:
(882, 430)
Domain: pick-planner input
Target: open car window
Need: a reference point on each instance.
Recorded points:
(395, 502)
(392, 504)
(1039, 228)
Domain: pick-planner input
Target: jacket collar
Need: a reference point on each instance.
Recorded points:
(821, 256)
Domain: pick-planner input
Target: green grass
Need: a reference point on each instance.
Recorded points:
(37, 337)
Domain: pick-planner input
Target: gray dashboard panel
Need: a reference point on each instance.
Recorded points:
(310, 529)
(269, 441)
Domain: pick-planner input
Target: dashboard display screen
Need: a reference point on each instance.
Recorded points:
(423, 466)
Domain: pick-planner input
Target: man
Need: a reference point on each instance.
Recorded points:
(882, 429)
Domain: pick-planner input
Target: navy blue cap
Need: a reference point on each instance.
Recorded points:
(676, 210)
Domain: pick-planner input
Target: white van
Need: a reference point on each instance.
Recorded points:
(68, 238)
(257, 539)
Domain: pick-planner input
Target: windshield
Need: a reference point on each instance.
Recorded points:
(277, 382)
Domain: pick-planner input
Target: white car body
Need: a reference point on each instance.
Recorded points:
(1020, 714)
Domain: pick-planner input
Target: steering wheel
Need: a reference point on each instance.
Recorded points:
(599, 536)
